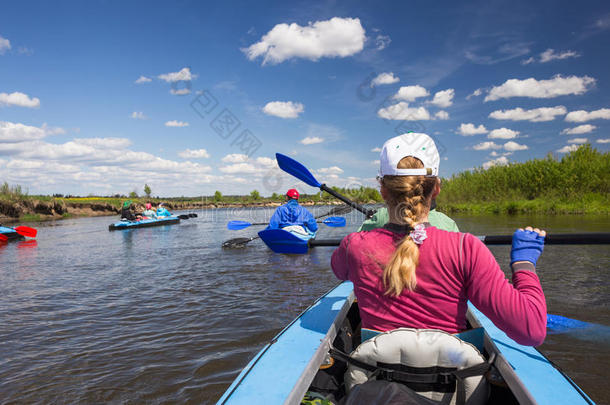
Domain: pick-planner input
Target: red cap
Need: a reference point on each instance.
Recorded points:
(292, 193)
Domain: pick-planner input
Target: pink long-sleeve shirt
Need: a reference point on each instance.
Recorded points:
(453, 268)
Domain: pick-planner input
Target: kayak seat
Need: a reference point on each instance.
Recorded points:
(432, 364)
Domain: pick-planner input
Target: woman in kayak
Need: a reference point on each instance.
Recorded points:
(149, 212)
(293, 215)
(126, 213)
(411, 274)
(162, 211)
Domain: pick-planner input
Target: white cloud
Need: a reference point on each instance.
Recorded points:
(235, 158)
(330, 170)
(194, 154)
(529, 60)
(382, 42)
(550, 55)
(582, 116)
(443, 98)
(283, 109)
(503, 133)
(180, 92)
(311, 140)
(486, 146)
(243, 165)
(514, 146)
(175, 123)
(385, 78)
(183, 75)
(14, 132)
(607, 140)
(410, 93)
(143, 79)
(535, 115)
(377, 149)
(475, 93)
(568, 148)
(557, 86)
(138, 115)
(104, 143)
(581, 129)
(501, 161)
(578, 140)
(18, 99)
(5, 45)
(337, 37)
(442, 115)
(469, 129)
(401, 111)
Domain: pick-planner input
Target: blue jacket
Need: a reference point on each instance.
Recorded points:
(162, 212)
(292, 213)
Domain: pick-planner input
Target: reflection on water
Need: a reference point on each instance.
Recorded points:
(165, 314)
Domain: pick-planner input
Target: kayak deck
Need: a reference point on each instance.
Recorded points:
(10, 233)
(282, 241)
(144, 223)
(284, 369)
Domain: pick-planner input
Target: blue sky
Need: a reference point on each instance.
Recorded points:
(192, 97)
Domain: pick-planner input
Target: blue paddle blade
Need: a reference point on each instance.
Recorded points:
(237, 225)
(334, 222)
(558, 323)
(296, 169)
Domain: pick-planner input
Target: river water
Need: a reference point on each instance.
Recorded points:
(165, 315)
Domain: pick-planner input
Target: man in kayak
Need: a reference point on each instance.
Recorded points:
(149, 212)
(412, 274)
(293, 216)
(162, 212)
(126, 213)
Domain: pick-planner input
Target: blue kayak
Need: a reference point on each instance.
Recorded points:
(10, 233)
(144, 223)
(283, 241)
(284, 370)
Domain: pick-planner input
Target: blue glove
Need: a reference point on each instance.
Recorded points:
(527, 246)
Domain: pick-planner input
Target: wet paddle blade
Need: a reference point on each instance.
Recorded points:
(237, 225)
(3, 238)
(334, 222)
(193, 215)
(26, 231)
(237, 242)
(296, 169)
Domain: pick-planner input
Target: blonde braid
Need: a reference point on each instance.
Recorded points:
(408, 195)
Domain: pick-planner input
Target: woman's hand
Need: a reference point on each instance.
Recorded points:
(527, 245)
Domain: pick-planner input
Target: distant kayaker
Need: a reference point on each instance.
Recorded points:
(162, 212)
(126, 213)
(149, 212)
(412, 274)
(293, 215)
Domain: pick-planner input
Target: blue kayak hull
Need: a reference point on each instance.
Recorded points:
(143, 223)
(284, 369)
(10, 233)
(281, 241)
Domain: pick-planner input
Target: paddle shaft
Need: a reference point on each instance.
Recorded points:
(368, 213)
(600, 238)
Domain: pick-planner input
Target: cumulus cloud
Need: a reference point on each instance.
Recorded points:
(578, 140)
(401, 111)
(104, 143)
(535, 115)
(532, 88)
(377, 149)
(410, 93)
(241, 164)
(582, 116)
(194, 154)
(385, 78)
(180, 92)
(16, 132)
(568, 148)
(337, 37)
(143, 79)
(18, 99)
(581, 129)
(443, 98)
(175, 123)
(501, 161)
(469, 129)
(514, 146)
(442, 115)
(138, 115)
(283, 109)
(181, 76)
(382, 42)
(311, 140)
(502, 133)
(486, 146)
(550, 55)
(606, 140)
(329, 171)
(475, 93)
(235, 158)
(5, 45)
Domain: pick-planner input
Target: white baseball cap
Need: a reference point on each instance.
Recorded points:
(418, 145)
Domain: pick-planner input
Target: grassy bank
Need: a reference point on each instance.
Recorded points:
(578, 183)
